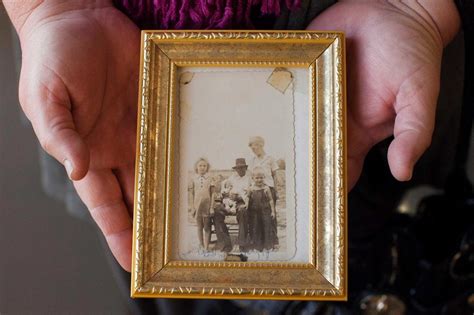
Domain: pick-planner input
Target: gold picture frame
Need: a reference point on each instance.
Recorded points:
(155, 271)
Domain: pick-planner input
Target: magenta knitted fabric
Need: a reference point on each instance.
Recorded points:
(199, 14)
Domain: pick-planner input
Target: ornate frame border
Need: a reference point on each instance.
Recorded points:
(154, 274)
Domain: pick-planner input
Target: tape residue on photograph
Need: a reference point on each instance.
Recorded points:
(280, 79)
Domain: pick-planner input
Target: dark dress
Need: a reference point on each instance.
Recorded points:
(243, 238)
(262, 232)
(222, 232)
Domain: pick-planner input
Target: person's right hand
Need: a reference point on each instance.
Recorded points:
(78, 87)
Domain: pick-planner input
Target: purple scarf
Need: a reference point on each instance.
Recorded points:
(199, 14)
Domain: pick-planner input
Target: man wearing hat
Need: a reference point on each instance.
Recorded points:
(236, 188)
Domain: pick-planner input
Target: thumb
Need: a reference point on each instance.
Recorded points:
(415, 108)
(46, 103)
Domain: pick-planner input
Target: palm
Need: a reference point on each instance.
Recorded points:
(91, 65)
(82, 68)
(389, 62)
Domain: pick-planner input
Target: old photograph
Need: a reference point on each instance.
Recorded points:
(236, 167)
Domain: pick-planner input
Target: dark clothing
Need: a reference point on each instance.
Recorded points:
(243, 238)
(274, 221)
(222, 232)
(261, 224)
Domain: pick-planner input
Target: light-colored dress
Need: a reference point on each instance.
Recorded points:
(268, 164)
(200, 191)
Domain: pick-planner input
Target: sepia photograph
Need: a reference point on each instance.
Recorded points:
(240, 178)
(236, 168)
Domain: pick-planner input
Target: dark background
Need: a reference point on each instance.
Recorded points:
(50, 262)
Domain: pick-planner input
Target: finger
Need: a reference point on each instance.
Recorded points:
(45, 101)
(126, 178)
(358, 145)
(415, 109)
(100, 191)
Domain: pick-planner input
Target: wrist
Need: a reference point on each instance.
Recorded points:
(445, 16)
(26, 15)
(19, 11)
(440, 18)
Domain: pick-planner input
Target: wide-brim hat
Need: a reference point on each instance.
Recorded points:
(240, 163)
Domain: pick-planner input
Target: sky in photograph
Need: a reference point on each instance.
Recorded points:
(221, 109)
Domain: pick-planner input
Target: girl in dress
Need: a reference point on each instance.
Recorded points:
(201, 189)
(261, 213)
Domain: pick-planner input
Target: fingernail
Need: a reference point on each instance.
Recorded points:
(69, 168)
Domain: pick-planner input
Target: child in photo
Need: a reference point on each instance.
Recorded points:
(263, 160)
(230, 204)
(201, 189)
(261, 213)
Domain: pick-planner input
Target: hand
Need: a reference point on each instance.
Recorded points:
(78, 86)
(394, 52)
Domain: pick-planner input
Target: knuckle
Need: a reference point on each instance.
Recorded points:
(425, 136)
(59, 124)
(45, 143)
(52, 134)
(109, 218)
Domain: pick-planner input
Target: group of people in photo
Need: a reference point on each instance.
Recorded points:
(249, 194)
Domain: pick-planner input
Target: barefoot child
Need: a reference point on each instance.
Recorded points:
(201, 189)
